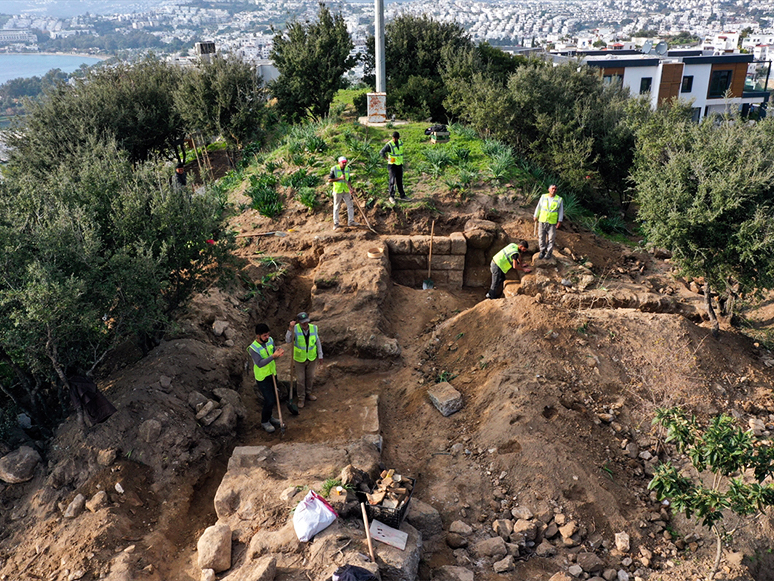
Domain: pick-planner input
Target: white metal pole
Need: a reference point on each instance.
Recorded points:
(381, 69)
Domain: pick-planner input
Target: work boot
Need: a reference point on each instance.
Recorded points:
(354, 224)
(311, 397)
(392, 200)
(300, 403)
(276, 422)
(336, 226)
(268, 427)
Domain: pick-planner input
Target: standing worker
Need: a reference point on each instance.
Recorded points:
(549, 215)
(393, 152)
(509, 257)
(263, 355)
(339, 176)
(307, 351)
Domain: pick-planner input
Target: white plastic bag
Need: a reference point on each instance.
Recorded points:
(312, 515)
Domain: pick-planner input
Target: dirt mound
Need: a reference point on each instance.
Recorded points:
(559, 382)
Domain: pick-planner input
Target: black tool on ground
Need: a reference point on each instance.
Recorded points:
(353, 573)
(292, 389)
(279, 407)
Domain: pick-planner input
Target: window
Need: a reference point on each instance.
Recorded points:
(695, 114)
(687, 85)
(645, 83)
(719, 84)
(612, 79)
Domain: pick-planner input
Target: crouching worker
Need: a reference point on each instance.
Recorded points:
(263, 355)
(509, 257)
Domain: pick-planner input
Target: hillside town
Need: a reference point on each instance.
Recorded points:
(247, 28)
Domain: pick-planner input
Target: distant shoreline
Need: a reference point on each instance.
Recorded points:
(101, 57)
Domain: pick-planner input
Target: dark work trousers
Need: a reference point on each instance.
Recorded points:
(265, 388)
(498, 278)
(396, 179)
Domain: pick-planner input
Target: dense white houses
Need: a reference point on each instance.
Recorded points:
(711, 82)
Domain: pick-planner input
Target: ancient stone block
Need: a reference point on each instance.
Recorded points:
(445, 398)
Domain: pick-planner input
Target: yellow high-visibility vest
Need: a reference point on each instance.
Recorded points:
(264, 352)
(301, 351)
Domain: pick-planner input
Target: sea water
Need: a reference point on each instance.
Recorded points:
(13, 66)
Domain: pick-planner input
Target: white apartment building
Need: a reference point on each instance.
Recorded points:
(690, 76)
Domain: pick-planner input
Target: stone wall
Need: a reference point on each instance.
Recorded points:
(408, 259)
(460, 259)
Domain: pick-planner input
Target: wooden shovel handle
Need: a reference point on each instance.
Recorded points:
(368, 533)
(430, 257)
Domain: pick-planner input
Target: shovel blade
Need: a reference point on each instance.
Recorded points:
(292, 407)
(427, 284)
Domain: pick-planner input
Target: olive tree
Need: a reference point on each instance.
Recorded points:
(93, 254)
(736, 465)
(223, 97)
(704, 192)
(312, 58)
(129, 103)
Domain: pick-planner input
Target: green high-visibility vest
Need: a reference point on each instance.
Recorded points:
(264, 352)
(549, 209)
(396, 153)
(301, 351)
(504, 258)
(340, 187)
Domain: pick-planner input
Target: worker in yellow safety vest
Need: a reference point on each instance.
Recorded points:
(509, 257)
(549, 215)
(263, 354)
(342, 192)
(307, 351)
(393, 152)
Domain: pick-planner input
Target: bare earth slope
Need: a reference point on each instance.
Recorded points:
(559, 385)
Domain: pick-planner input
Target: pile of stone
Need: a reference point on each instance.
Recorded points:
(392, 490)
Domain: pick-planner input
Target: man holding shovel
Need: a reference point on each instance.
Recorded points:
(307, 350)
(509, 257)
(339, 177)
(263, 354)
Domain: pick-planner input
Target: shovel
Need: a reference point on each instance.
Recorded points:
(279, 407)
(428, 282)
(292, 406)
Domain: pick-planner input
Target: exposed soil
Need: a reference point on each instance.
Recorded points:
(537, 379)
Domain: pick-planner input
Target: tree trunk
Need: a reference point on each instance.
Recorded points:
(718, 553)
(710, 310)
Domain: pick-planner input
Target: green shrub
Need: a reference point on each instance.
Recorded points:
(438, 158)
(493, 148)
(264, 195)
(460, 153)
(501, 165)
(299, 179)
(308, 197)
(463, 131)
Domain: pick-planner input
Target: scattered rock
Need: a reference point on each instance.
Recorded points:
(503, 528)
(494, 547)
(575, 570)
(206, 409)
(75, 508)
(214, 548)
(757, 426)
(568, 530)
(225, 423)
(196, 400)
(150, 430)
(504, 565)
(522, 512)
(98, 501)
(445, 398)
(397, 565)
(208, 575)
(622, 542)
(230, 396)
(107, 457)
(218, 327)
(424, 518)
(165, 382)
(19, 466)
(461, 528)
(452, 573)
(456, 541)
(590, 562)
(545, 549)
